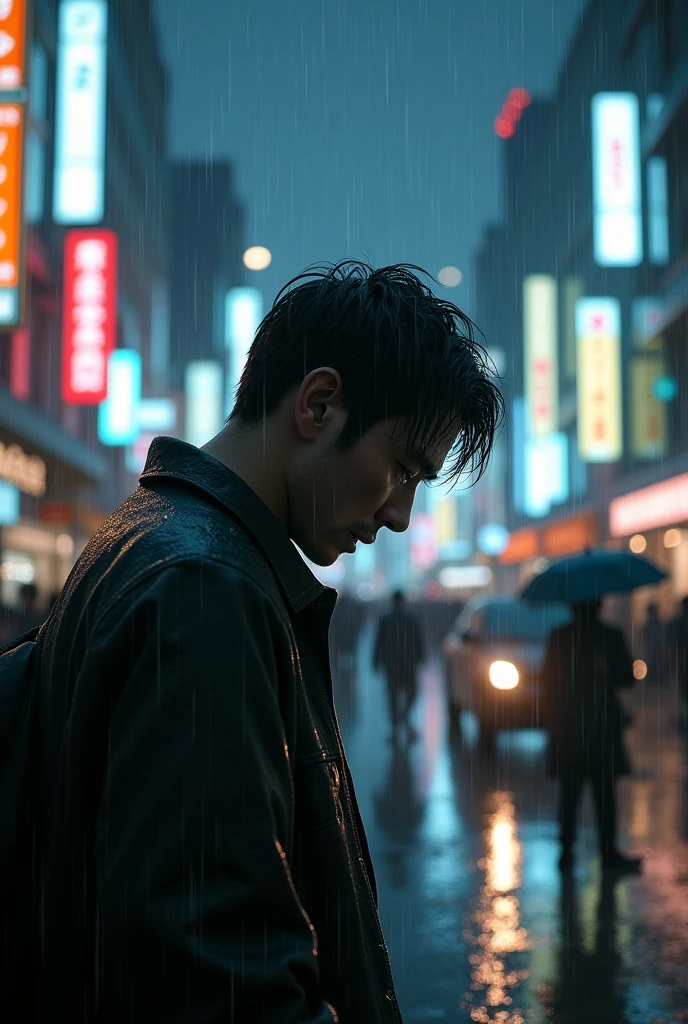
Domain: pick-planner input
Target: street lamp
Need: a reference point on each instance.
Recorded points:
(257, 257)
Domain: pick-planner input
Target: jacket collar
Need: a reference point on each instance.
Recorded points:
(170, 458)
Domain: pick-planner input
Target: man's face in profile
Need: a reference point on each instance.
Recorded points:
(351, 493)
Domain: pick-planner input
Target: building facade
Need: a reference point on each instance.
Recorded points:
(208, 243)
(50, 451)
(594, 390)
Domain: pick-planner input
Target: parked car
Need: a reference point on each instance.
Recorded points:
(492, 660)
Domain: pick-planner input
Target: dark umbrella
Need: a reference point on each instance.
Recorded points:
(590, 576)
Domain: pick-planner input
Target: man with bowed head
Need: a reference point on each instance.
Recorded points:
(203, 856)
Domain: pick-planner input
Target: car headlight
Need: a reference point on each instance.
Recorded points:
(503, 675)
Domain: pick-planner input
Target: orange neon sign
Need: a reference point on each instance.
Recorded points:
(13, 23)
(11, 125)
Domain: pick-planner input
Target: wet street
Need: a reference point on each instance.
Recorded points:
(480, 924)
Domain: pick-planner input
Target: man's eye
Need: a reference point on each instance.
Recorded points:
(403, 473)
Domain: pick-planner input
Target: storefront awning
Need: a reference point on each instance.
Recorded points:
(32, 427)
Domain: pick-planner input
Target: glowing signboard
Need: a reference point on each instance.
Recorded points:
(658, 211)
(79, 192)
(89, 315)
(617, 224)
(11, 254)
(598, 334)
(541, 354)
(9, 504)
(243, 313)
(14, 17)
(546, 473)
(27, 472)
(157, 414)
(423, 541)
(118, 415)
(203, 401)
(445, 520)
(660, 504)
(649, 420)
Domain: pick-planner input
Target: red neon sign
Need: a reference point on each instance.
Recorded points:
(90, 315)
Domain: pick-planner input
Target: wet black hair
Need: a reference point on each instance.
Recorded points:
(400, 351)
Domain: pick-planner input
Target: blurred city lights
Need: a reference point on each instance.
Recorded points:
(503, 675)
(504, 127)
(665, 389)
(637, 543)
(493, 539)
(9, 503)
(639, 669)
(672, 538)
(257, 257)
(450, 277)
(465, 577)
(511, 112)
(64, 545)
(520, 98)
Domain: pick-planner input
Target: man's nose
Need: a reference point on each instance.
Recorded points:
(396, 516)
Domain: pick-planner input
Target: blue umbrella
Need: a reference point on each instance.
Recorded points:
(590, 576)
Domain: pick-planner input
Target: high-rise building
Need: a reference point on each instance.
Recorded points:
(207, 249)
(588, 289)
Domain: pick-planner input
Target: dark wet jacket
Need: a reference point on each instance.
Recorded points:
(204, 856)
(585, 665)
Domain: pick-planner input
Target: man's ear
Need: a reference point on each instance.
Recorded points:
(319, 401)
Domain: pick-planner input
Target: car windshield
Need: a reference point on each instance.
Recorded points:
(521, 621)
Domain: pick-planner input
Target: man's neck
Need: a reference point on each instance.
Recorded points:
(251, 453)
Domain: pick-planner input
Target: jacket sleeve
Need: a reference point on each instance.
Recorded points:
(198, 916)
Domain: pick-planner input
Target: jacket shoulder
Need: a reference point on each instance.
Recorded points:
(156, 528)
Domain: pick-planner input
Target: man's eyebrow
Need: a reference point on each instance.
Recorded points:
(420, 458)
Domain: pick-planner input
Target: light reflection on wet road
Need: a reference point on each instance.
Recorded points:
(480, 924)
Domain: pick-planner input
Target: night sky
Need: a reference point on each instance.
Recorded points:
(358, 127)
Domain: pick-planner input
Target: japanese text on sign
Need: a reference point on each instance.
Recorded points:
(599, 379)
(90, 315)
(540, 346)
(13, 17)
(11, 151)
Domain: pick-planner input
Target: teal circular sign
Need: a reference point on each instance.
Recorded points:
(665, 389)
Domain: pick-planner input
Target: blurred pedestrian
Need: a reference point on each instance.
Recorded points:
(586, 662)
(29, 613)
(399, 650)
(677, 643)
(654, 644)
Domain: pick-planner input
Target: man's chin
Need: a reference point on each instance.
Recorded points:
(322, 554)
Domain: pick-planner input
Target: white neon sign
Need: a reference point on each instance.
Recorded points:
(243, 313)
(598, 333)
(203, 401)
(617, 228)
(79, 193)
(541, 354)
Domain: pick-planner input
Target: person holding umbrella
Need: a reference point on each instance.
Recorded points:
(587, 662)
